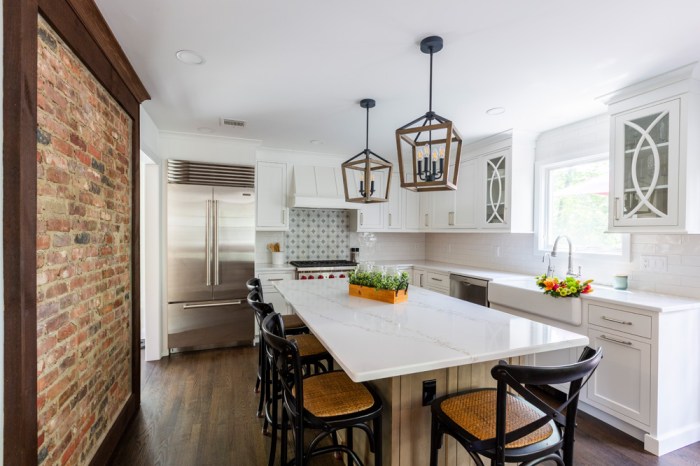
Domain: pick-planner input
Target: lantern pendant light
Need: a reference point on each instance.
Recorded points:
(366, 173)
(429, 147)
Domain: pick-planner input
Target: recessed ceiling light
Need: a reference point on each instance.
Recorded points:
(190, 57)
(316, 142)
(496, 111)
(205, 130)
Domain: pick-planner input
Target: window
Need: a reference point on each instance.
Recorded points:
(574, 202)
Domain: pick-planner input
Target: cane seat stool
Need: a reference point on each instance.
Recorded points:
(292, 322)
(313, 355)
(326, 402)
(517, 427)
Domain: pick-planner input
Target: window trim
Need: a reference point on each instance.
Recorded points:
(542, 169)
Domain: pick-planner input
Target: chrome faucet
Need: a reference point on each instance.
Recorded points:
(550, 268)
(570, 270)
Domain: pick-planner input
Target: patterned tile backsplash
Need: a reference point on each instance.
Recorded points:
(318, 234)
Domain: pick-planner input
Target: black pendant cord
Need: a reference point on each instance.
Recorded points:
(367, 133)
(430, 98)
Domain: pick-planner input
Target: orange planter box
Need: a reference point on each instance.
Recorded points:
(387, 296)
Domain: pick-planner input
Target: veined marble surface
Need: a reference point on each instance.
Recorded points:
(372, 340)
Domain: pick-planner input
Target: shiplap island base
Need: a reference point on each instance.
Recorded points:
(397, 347)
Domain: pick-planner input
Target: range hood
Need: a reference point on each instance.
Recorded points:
(319, 188)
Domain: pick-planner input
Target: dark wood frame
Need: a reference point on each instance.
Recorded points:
(82, 26)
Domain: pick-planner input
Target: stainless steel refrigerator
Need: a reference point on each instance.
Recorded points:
(211, 253)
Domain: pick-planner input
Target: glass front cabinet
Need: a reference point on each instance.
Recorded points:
(646, 161)
(495, 190)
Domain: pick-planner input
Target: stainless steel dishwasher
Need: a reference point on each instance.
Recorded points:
(474, 290)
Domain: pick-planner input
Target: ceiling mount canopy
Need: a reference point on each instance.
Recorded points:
(429, 147)
(366, 173)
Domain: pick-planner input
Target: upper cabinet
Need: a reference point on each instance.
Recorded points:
(503, 164)
(271, 196)
(655, 155)
(394, 207)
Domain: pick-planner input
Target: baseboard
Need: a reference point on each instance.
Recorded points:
(104, 453)
(672, 441)
(629, 429)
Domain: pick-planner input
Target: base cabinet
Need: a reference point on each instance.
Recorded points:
(623, 382)
(420, 277)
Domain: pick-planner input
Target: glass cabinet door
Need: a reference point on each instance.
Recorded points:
(646, 166)
(495, 200)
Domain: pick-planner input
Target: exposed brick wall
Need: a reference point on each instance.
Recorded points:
(83, 256)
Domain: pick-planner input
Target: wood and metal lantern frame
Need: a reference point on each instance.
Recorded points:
(430, 153)
(369, 163)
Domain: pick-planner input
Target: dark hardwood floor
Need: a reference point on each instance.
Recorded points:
(198, 409)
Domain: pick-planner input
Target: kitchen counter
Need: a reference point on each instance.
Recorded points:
(484, 274)
(400, 349)
(639, 299)
(373, 340)
(267, 267)
(636, 298)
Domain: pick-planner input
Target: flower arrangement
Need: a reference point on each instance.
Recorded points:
(379, 280)
(569, 286)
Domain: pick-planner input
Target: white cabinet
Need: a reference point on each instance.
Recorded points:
(495, 176)
(420, 277)
(622, 382)
(464, 216)
(437, 281)
(270, 293)
(271, 196)
(411, 210)
(394, 207)
(443, 209)
(654, 149)
(370, 217)
(425, 210)
(497, 159)
(645, 166)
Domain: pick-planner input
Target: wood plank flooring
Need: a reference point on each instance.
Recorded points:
(198, 409)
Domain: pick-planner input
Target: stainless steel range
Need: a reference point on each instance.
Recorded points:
(319, 270)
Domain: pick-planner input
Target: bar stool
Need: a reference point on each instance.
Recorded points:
(312, 353)
(327, 402)
(504, 427)
(293, 323)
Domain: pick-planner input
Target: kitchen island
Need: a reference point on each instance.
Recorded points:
(398, 347)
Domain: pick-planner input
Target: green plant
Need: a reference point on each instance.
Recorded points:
(569, 286)
(379, 280)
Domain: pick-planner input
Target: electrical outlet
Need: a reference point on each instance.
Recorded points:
(654, 263)
(429, 390)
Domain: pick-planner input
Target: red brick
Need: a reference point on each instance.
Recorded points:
(43, 242)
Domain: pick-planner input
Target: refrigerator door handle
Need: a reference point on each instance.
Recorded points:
(217, 280)
(207, 242)
(197, 306)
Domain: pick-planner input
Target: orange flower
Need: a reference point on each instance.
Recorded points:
(550, 282)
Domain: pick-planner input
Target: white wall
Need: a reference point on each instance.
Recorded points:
(515, 252)
(205, 148)
(149, 136)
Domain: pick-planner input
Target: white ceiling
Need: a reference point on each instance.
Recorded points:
(296, 70)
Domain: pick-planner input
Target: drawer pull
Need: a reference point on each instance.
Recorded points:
(198, 306)
(615, 340)
(275, 279)
(610, 319)
(436, 279)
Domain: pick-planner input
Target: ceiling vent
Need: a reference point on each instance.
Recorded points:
(232, 122)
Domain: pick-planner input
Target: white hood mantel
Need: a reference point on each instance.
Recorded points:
(319, 188)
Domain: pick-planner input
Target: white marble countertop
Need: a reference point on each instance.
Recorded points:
(654, 302)
(484, 274)
(373, 340)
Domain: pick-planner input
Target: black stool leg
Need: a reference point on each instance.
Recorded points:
(283, 446)
(349, 442)
(260, 362)
(377, 426)
(435, 441)
(273, 437)
(263, 387)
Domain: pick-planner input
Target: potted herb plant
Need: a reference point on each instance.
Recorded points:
(390, 288)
